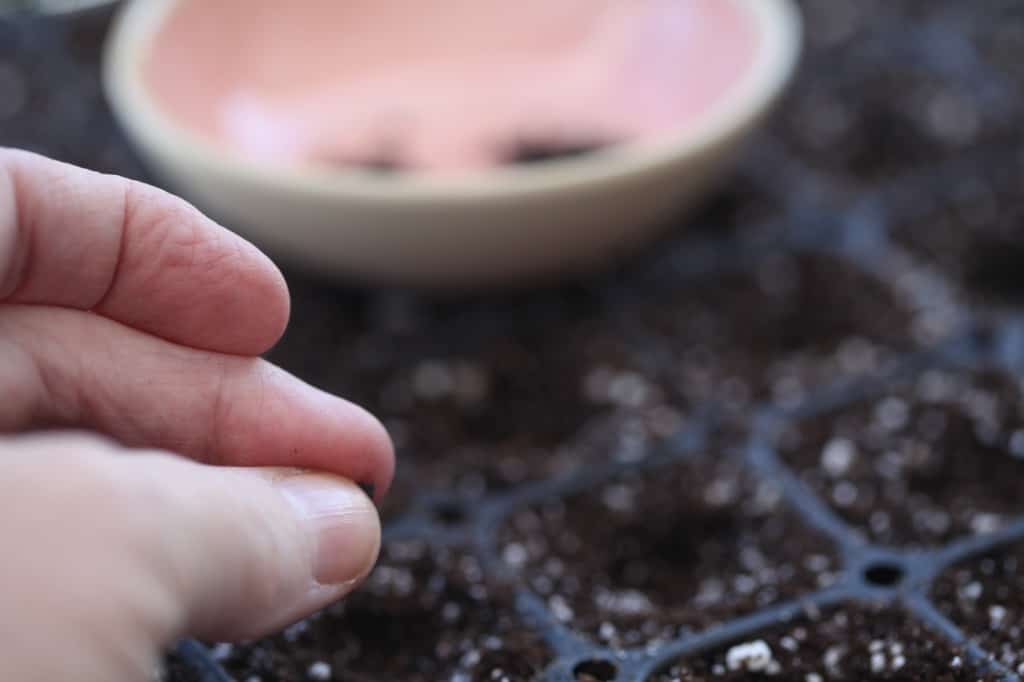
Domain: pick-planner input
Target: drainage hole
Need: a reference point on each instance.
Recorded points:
(884, 574)
(595, 671)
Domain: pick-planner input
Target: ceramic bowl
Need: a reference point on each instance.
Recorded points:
(508, 225)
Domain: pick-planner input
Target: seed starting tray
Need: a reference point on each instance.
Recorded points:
(785, 444)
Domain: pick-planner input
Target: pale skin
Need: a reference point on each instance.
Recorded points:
(219, 500)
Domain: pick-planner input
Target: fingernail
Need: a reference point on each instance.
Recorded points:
(369, 489)
(343, 522)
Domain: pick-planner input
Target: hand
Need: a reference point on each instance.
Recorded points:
(125, 312)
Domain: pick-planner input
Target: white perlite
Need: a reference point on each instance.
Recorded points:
(971, 591)
(892, 414)
(750, 656)
(996, 616)
(983, 524)
(515, 555)
(1017, 444)
(319, 671)
(837, 456)
(880, 661)
(833, 655)
(877, 662)
(626, 602)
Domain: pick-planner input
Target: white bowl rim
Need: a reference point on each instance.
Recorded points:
(778, 24)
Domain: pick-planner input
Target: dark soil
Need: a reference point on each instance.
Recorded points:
(928, 460)
(541, 151)
(772, 332)
(984, 596)
(742, 201)
(51, 98)
(479, 397)
(524, 152)
(969, 229)
(424, 615)
(872, 105)
(484, 396)
(897, 124)
(851, 644)
(174, 669)
(997, 37)
(647, 557)
(383, 165)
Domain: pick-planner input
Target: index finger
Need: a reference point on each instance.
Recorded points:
(74, 238)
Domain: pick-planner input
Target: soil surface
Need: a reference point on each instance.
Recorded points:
(770, 332)
(478, 396)
(51, 96)
(680, 548)
(984, 596)
(174, 669)
(1001, 45)
(851, 644)
(871, 105)
(930, 459)
(741, 205)
(968, 227)
(423, 615)
(481, 397)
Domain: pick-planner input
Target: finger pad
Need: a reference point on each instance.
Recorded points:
(284, 422)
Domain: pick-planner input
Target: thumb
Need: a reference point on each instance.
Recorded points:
(117, 554)
(248, 551)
